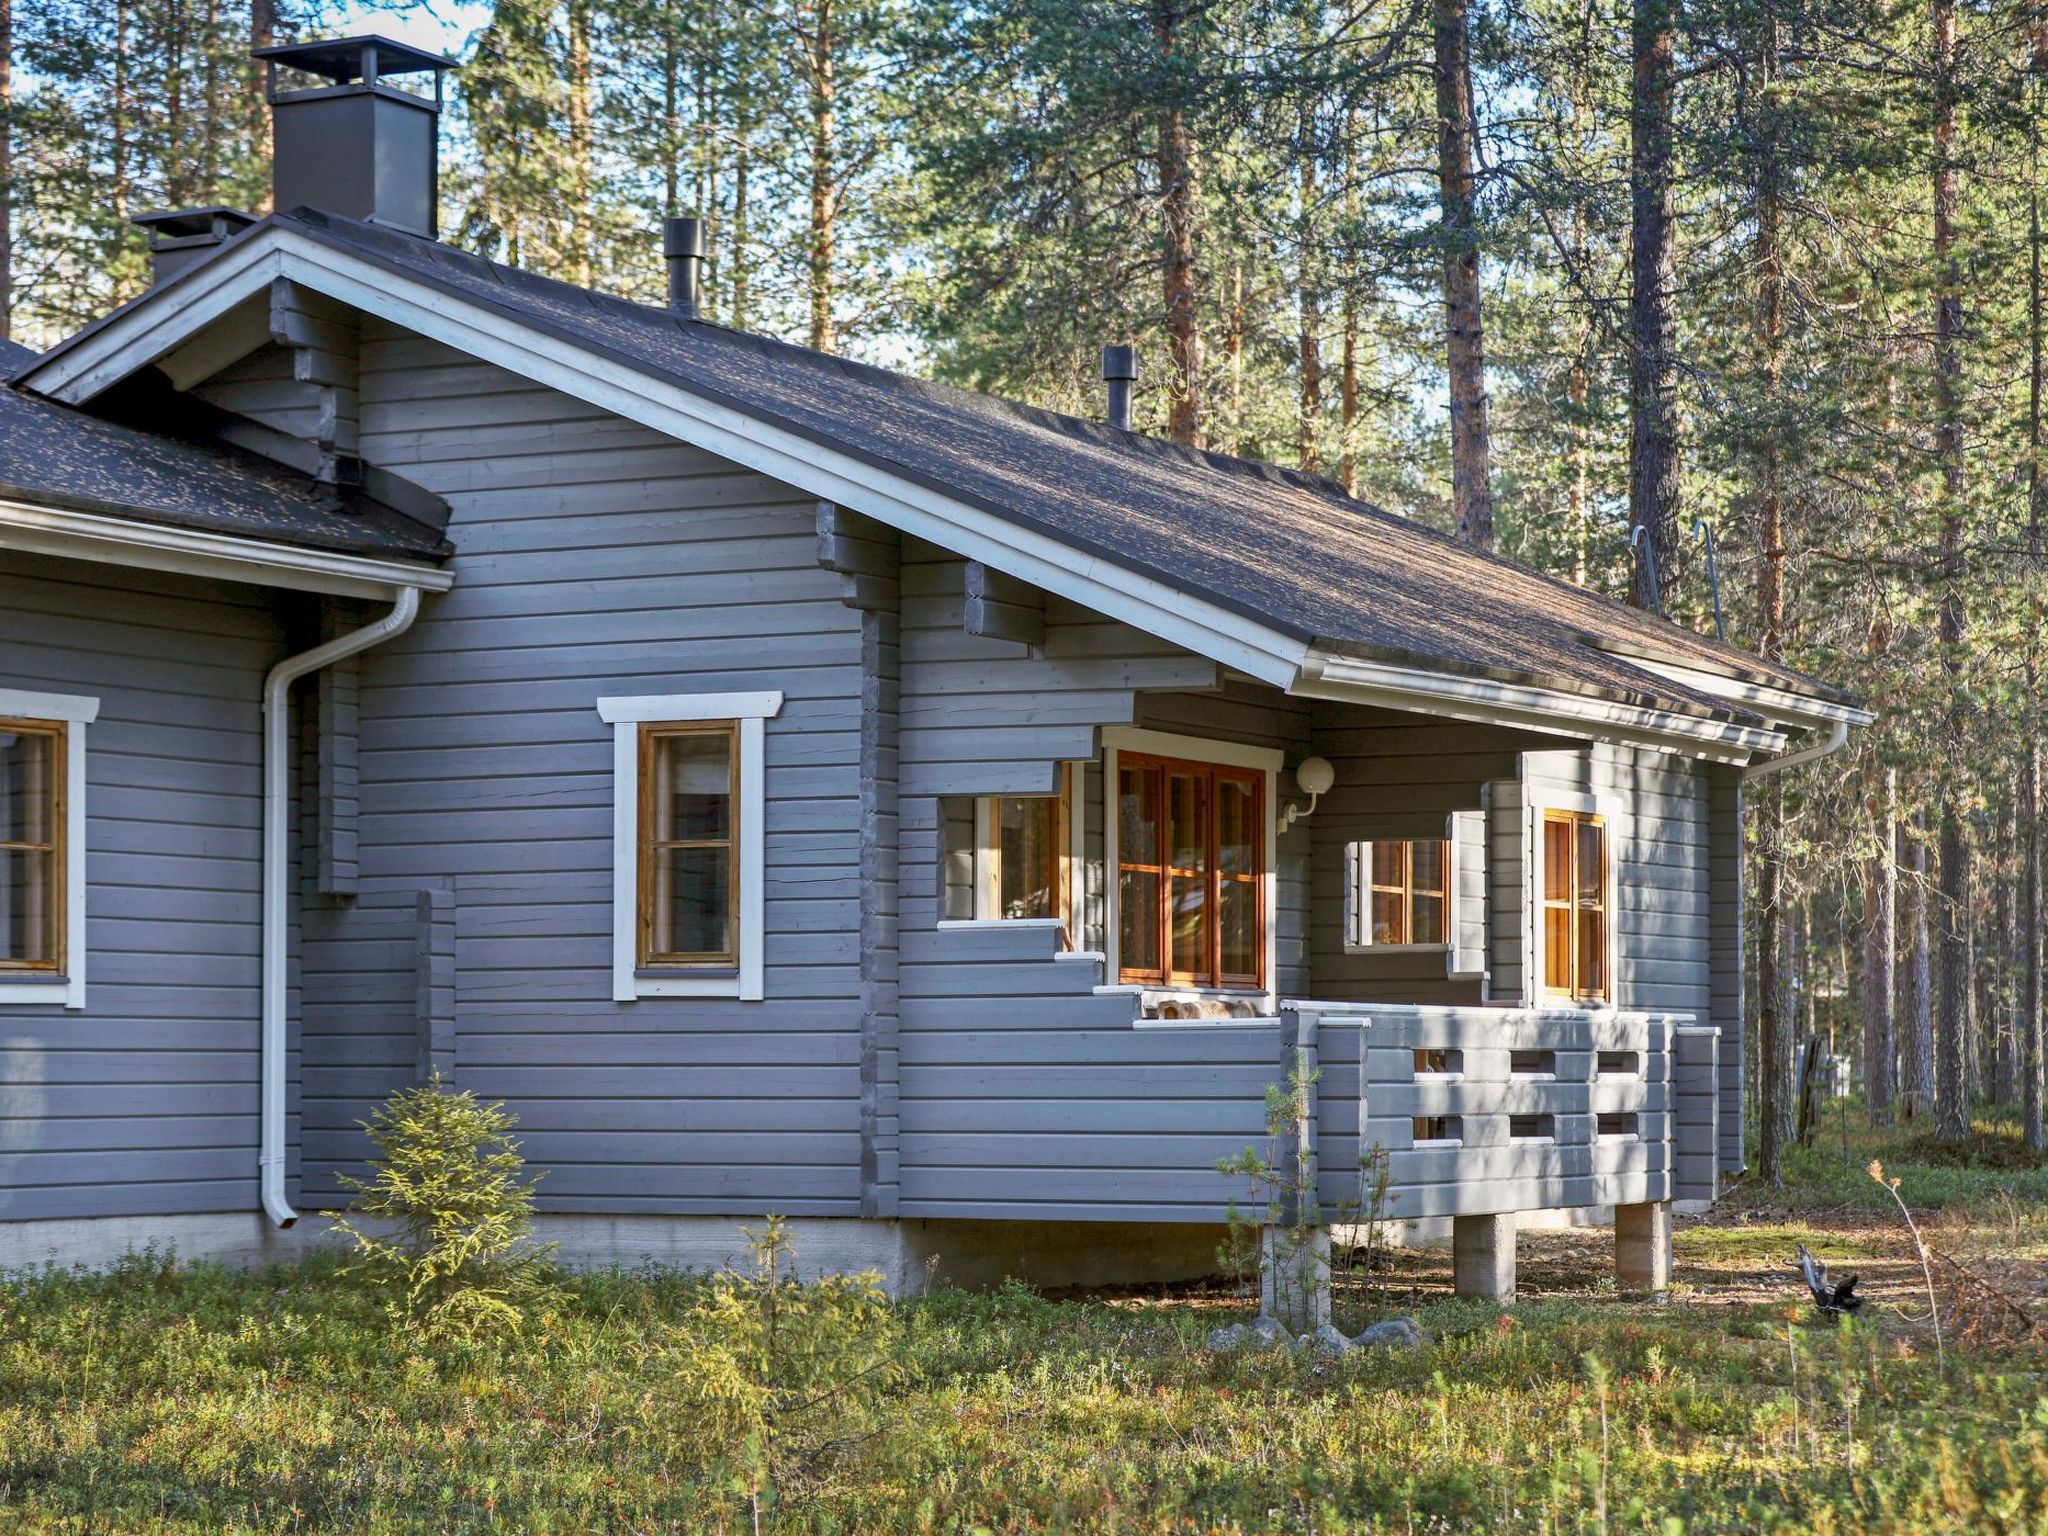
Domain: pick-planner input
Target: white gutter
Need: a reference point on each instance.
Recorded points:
(276, 884)
(1837, 739)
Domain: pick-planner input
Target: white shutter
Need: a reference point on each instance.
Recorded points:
(1466, 920)
(1355, 904)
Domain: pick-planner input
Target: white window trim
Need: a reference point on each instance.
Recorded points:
(1358, 903)
(988, 868)
(1118, 739)
(626, 715)
(1610, 813)
(76, 711)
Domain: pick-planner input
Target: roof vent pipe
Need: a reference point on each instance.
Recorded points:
(1120, 372)
(682, 245)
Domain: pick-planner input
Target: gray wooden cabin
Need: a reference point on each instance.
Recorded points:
(795, 787)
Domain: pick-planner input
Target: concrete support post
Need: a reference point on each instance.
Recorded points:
(1642, 1246)
(1483, 1256)
(1294, 1276)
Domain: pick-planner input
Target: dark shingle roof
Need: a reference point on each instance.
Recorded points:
(57, 456)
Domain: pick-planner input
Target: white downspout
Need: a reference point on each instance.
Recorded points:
(276, 884)
(1835, 742)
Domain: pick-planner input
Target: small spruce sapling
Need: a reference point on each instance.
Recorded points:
(450, 1238)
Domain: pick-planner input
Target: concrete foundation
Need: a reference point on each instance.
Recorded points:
(1483, 1256)
(1642, 1246)
(976, 1255)
(1294, 1276)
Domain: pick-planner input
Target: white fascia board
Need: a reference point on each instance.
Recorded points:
(918, 510)
(71, 535)
(1330, 676)
(1781, 705)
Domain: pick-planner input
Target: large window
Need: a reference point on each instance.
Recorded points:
(1407, 892)
(1575, 916)
(689, 875)
(32, 851)
(1190, 873)
(688, 845)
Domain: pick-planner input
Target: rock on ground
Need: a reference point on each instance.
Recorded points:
(1394, 1333)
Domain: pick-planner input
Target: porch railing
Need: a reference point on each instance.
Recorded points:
(1482, 1111)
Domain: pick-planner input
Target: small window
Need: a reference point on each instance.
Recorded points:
(1575, 906)
(689, 870)
(32, 846)
(1023, 855)
(1402, 899)
(688, 849)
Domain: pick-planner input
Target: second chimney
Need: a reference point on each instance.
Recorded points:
(682, 246)
(1120, 372)
(184, 237)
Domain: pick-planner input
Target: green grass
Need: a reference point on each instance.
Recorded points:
(167, 1399)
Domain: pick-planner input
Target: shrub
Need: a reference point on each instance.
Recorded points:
(451, 1240)
(770, 1369)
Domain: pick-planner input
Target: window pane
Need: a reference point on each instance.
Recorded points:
(1239, 919)
(1389, 925)
(27, 789)
(1027, 835)
(28, 925)
(1592, 863)
(1137, 903)
(1137, 800)
(1386, 863)
(1557, 859)
(1190, 915)
(1237, 830)
(1427, 864)
(692, 909)
(1592, 955)
(1427, 926)
(1557, 948)
(1187, 824)
(693, 787)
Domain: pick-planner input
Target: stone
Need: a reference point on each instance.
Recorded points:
(1268, 1333)
(1394, 1333)
(1224, 1340)
(1327, 1341)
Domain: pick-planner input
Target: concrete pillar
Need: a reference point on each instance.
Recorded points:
(1483, 1256)
(1642, 1246)
(1294, 1276)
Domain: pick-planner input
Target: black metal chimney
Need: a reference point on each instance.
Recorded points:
(682, 246)
(1120, 372)
(184, 237)
(356, 145)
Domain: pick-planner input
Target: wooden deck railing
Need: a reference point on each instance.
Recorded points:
(1487, 1110)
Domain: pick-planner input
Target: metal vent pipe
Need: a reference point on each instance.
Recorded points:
(682, 246)
(1120, 372)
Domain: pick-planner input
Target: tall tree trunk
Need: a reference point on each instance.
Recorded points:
(671, 116)
(1919, 977)
(1653, 322)
(1179, 202)
(2030, 758)
(1464, 326)
(742, 271)
(2004, 995)
(6, 170)
(1952, 1117)
(1310, 305)
(1347, 394)
(1233, 357)
(262, 33)
(577, 216)
(1880, 954)
(824, 199)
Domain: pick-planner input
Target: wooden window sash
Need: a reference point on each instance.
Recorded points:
(1575, 904)
(55, 851)
(1209, 775)
(649, 958)
(1062, 845)
(1404, 889)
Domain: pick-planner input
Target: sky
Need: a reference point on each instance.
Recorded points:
(442, 25)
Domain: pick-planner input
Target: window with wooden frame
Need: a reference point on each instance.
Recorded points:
(1405, 895)
(1191, 841)
(33, 856)
(1575, 906)
(689, 865)
(1024, 855)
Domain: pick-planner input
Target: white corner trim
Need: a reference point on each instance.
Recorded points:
(41, 530)
(625, 715)
(663, 707)
(77, 711)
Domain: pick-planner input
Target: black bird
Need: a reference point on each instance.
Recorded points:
(1829, 1298)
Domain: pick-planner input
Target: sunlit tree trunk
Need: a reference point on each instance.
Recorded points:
(1880, 953)
(1464, 324)
(6, 170)
(1179, 202)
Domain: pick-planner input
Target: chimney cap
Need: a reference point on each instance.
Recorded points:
(682, 236)
(343, 59)
(216, 223)
(1119, 362)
